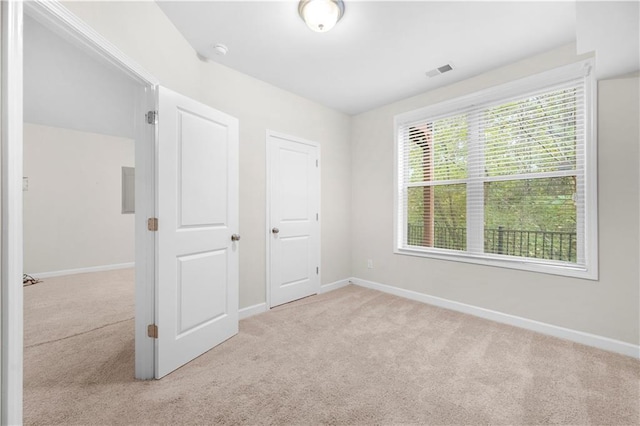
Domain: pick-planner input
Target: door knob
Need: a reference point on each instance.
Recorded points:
(275, 230)
(235, 237)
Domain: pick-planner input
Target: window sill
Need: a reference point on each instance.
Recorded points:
(523, 264)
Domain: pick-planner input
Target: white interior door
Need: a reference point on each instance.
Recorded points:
(293, 179)
(197, 196)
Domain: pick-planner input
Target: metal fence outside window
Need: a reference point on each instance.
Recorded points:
(552, 245)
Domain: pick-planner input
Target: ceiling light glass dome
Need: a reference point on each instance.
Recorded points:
(321, 15)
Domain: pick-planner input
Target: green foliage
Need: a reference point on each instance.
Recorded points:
(448, 161)
(531, 204)
(450, 205)
(533, 135)
(450, 148)
(522, 138)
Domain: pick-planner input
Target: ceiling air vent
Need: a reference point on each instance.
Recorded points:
(440, 70)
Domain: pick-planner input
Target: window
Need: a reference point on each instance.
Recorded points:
(504, 177)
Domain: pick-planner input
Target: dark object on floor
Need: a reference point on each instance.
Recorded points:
(29, 280)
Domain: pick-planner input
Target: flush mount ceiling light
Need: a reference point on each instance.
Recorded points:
(321, 15)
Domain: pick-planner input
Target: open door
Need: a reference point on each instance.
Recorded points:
(196, 239)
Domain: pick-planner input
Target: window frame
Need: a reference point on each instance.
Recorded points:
(493, 95)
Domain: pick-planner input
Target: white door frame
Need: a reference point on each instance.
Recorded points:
(11, 255)
(60, 18)
(271, 133)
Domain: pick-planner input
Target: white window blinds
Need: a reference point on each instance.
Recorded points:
(502, 177)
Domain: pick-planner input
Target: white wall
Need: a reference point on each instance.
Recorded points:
(72, 210)
(608, 307)
(144, 33)
(66, 87)
(612, 31)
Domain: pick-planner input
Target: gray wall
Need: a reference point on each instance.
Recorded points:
(607, 307)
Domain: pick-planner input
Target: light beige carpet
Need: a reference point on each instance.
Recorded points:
(60, 307)
(352, 356)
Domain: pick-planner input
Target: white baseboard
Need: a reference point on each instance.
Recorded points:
(250, 311)
(83, 270)
(588, 339)
(333, 286)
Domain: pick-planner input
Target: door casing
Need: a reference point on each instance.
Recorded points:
(57, 17)
(270, 134)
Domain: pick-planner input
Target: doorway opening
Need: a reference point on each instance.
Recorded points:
(84, 130)
(207, 162)
(79, 133)
(58, 19)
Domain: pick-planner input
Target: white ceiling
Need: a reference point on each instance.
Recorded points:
(380, 50)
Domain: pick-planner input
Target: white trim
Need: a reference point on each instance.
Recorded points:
(56, 15)
(145, 207)
(591, 176)
(84, 270)
(252, 310)
(259, 308)
(11, 263)
(581, 337)
(325, 288)
(272, 134)
(267, 214)
(495, 260)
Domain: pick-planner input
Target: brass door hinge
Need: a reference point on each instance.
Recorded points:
(152, 224)
(152, 331)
